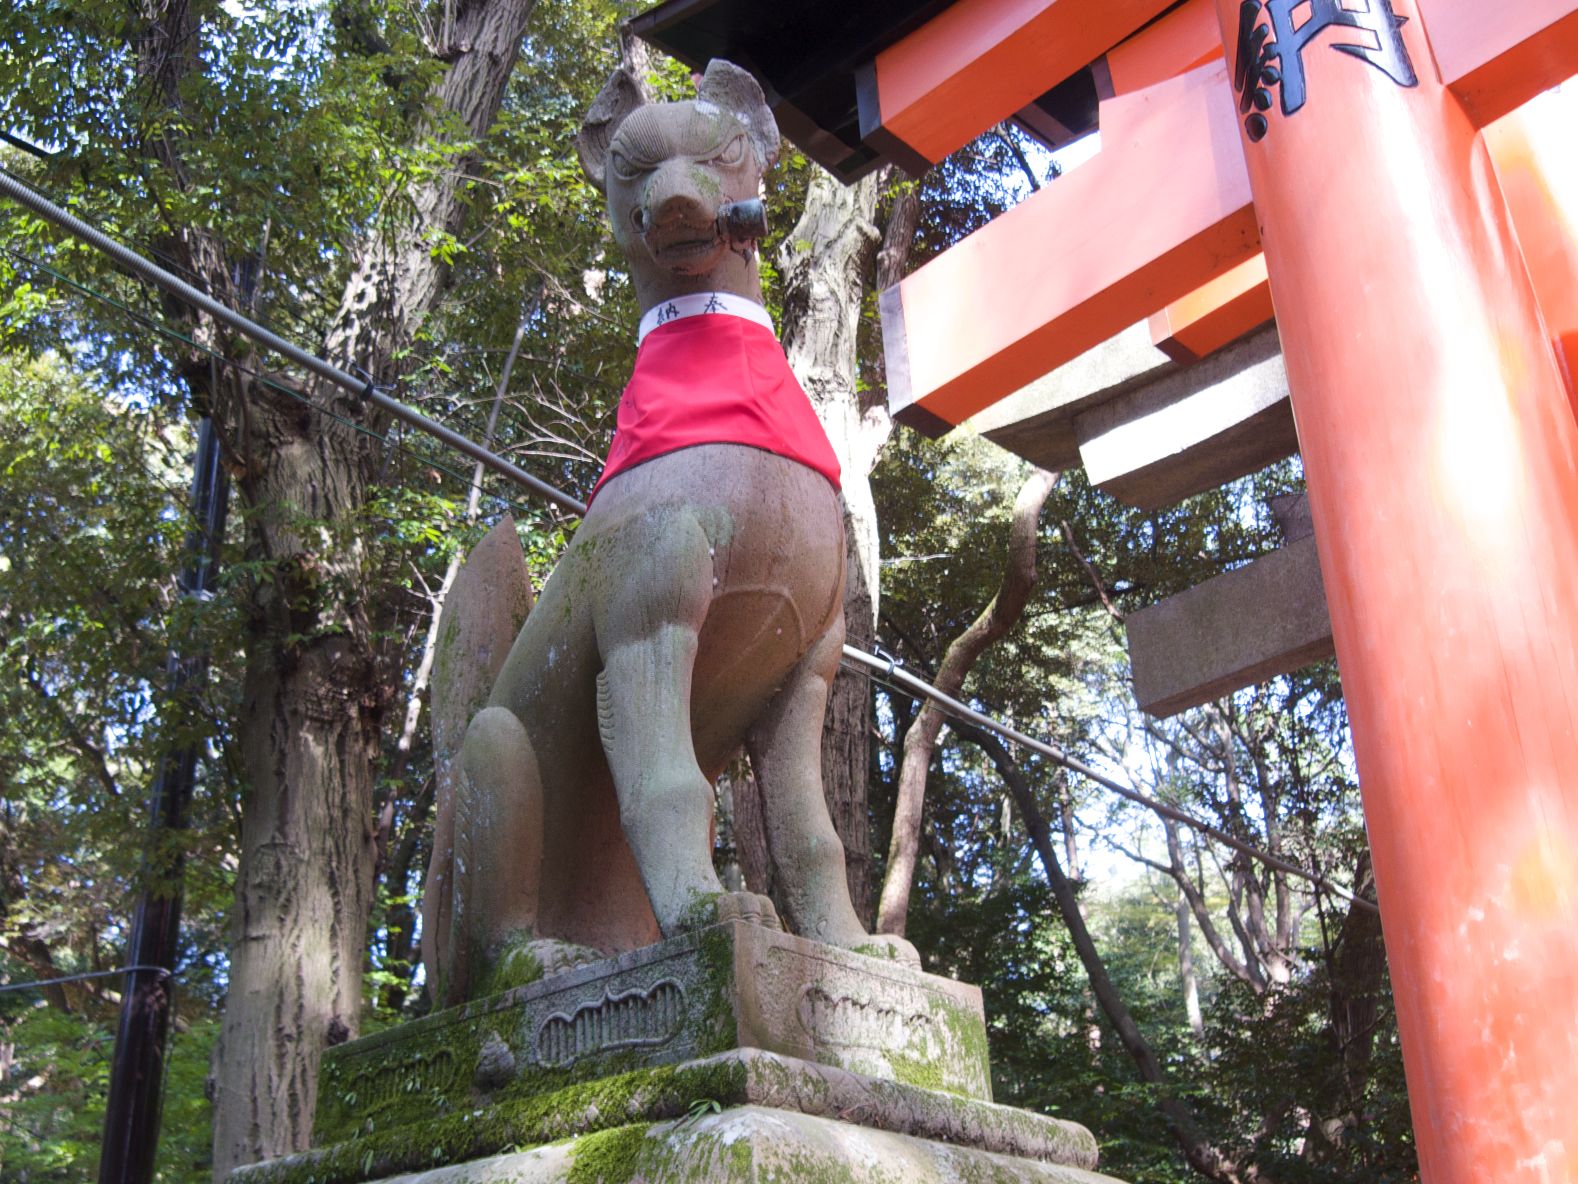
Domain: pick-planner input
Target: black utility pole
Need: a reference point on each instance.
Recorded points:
(131, 1117)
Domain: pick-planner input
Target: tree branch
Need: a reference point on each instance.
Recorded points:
(1202, 914)
(1095, 580)
(98, 764)
(999, 616)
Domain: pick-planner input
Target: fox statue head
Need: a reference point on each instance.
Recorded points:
(683, 181)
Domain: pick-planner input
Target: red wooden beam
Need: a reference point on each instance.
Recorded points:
(1082, 259)
(1214, 313)
(1024, 294)
(1532, 150)
(1232, 304)
(1174, 44)
(1496, 56)
(979, 61)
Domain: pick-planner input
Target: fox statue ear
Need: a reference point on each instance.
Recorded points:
(736, 91)
(620, 95)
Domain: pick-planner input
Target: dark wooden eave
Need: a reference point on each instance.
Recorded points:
(813, 57)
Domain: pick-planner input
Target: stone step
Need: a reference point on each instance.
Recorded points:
(683, 1123)
(753, 1145)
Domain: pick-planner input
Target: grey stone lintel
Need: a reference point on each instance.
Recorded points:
(1192, 429)
(1263, 619)
(1146, 429)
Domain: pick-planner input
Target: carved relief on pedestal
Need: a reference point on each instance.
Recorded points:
(840, 1018)
(384, 1084)
(639, 1018)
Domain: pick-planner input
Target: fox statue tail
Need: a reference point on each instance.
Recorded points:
(483, 611)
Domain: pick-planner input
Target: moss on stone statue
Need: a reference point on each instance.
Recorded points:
(431, 1085)
(965, 1036)
(514, 965)
(406, 1086)
(512, 1122)
(719, 1027)
(446, 642)
(922, 1072)
(411, 1089)
(678, 1152)
(608, 1157)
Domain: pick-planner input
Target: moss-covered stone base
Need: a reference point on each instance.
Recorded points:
(753, 1145)
(608, 1110)
(679, 1062)
(730, 986)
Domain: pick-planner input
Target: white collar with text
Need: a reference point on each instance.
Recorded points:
(702, 304)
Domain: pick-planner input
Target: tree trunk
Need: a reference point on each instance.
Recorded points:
(309, 730)
(1357, 968)
(1001, 615)
(303, 893)
(1065, 806)
(825, 262)
(747, 828)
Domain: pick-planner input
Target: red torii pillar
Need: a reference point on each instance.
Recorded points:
(1442, 463)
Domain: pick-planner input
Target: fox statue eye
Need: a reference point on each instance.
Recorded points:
(624, 168)
(733, 152)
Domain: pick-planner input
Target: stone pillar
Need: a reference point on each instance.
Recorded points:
(1442, 463)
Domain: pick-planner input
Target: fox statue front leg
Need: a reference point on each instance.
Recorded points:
(785, 748)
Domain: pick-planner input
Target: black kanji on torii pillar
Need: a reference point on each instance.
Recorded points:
(1271, 54)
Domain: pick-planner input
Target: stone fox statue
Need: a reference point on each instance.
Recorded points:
(699, 607)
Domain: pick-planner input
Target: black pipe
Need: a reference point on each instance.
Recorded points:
(136, 1093)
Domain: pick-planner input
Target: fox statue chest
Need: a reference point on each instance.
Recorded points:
(709, 370)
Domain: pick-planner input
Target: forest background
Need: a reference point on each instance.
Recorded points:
(391, 184)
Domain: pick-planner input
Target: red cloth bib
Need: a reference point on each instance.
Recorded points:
(715, 379)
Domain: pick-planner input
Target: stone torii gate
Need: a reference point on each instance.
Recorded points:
(1332, 168)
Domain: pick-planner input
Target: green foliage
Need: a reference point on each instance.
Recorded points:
(91, 529)
(1311, 1125)
(52, 1097)
(1271, 765)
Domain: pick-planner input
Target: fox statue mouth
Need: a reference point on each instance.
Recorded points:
(688, 248)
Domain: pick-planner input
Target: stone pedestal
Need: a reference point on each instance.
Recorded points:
(735, 1053)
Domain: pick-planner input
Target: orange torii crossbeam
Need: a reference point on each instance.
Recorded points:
(1499, 55)
(1496, 57)
(1066, 268)
(979, 61)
